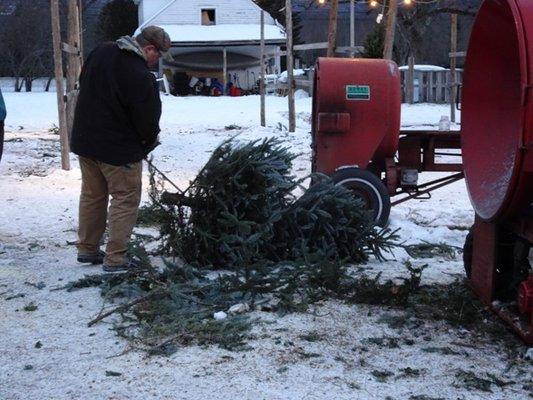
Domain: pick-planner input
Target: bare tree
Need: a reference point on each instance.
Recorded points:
(25, 43)
(117, 18)
(423, 28)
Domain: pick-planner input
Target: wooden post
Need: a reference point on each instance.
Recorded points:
(332, 28)
(225, 70)
(262, 80)
(73, 62)
(290, 65)
(390, 30)
(58, 69)
(352, 27)
(73, 39)
(453, 66)
(410, 92)
(431, 85)
(440, 89)
(80, 18)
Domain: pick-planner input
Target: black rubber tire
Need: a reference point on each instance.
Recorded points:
(468, 251)
(369, 188)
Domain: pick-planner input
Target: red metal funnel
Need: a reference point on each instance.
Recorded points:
(497, 116)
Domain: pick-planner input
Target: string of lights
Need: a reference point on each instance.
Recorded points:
(383, 3)
(371, 3)
(376, 4)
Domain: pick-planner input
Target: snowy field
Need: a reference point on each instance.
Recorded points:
(50, 353)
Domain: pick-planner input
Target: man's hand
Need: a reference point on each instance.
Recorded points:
(149, 148)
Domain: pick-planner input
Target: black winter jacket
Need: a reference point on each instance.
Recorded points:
(117, 114)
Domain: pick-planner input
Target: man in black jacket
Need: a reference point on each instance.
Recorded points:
(116, 124)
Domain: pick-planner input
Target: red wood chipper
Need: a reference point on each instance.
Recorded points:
(357, 137)
(358, 142)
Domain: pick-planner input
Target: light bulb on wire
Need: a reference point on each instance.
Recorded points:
(373, 3)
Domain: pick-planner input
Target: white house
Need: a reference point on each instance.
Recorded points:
(210, 36)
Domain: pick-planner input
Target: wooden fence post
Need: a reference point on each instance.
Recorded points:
(58, 69)
(290, 65)
(225, 71)
(73, 50)
(262, 82)
(73, 61)
(410, 90)
(453, 66)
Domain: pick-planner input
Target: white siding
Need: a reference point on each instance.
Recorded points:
(187, 12)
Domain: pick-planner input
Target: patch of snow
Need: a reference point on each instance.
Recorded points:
(284, 75)
(220, 315)
(39, 221)
(301, 94)
(423, 68)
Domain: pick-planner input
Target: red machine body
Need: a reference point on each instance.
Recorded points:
(497, 148)
(357, 137)
(357, 140)
(497, 116)
(356, 112)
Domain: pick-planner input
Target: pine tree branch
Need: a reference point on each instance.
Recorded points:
(124, 307)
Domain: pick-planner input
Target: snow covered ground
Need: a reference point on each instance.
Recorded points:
(50, 353)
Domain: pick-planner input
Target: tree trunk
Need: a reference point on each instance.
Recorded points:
(28, 83)
(18, 84)
(48, 82)
(390, 30)
(332, 28)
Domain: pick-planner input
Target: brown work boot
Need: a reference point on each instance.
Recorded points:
(96, 258)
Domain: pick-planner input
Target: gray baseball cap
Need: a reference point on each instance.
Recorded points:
(158, 38)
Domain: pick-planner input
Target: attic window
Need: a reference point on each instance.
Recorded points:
(208, 16)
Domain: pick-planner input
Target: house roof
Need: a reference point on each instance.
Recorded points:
(212, 61)
(222, 33)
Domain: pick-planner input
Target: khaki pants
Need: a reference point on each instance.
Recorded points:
(99, 181)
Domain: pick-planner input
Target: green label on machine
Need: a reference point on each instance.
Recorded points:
(357, 92)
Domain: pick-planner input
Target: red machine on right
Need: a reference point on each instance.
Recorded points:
(497, 149)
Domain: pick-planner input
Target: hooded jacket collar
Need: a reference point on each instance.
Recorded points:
(129, 44)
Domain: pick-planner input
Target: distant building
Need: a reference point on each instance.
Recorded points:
(201, 32)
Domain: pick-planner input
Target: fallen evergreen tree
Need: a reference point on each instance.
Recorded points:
(241, 215)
